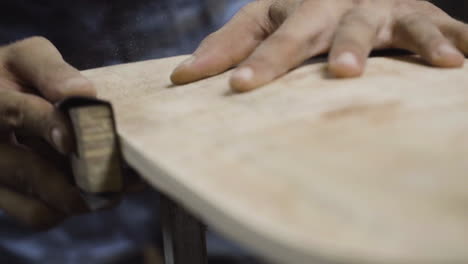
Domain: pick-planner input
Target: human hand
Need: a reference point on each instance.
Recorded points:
(267, 38)
(34, 188)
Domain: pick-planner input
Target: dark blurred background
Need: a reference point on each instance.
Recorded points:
(456, 8)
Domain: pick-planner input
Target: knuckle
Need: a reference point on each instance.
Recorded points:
(285, 49)
(360, 19)
(326, 10)
(409, 20)
(11, 115)
(407, 26)
(278, 13)
(288, 43)
(430, 42)
(460, 33)
(256, 13)
(421, 8)
(428, 8)
(34, 41)
(24, 112)
(404, 6)
(39, 40)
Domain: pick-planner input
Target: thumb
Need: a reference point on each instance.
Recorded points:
(38, 63)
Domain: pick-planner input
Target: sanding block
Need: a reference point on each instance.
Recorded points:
(96, 162)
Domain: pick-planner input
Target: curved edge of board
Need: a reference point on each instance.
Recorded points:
(260, 242)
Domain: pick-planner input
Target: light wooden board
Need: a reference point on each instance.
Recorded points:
(309, 169)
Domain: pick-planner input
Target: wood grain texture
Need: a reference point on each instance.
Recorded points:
(309, 169)
(96, 166)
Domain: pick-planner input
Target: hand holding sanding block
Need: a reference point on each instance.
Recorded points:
(96, 162)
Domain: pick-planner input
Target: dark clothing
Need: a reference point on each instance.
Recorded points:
(456, 8)
(94, 33)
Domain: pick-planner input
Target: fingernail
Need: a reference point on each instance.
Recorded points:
(57, 139)
(447, 49)
(243, 74)
(347, 59)
(75, 82)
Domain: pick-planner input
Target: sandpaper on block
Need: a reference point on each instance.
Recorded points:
(96, 162)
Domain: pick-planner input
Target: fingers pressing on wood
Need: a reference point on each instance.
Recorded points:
(295, 41)
(457, 33)
(420, 35)
(227, 47)
(353, 41)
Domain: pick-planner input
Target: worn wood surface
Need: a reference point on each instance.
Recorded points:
(309, 169)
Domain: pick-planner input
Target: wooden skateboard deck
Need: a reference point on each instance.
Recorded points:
(308, 169)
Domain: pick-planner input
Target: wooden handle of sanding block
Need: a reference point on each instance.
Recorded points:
(96, 163)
